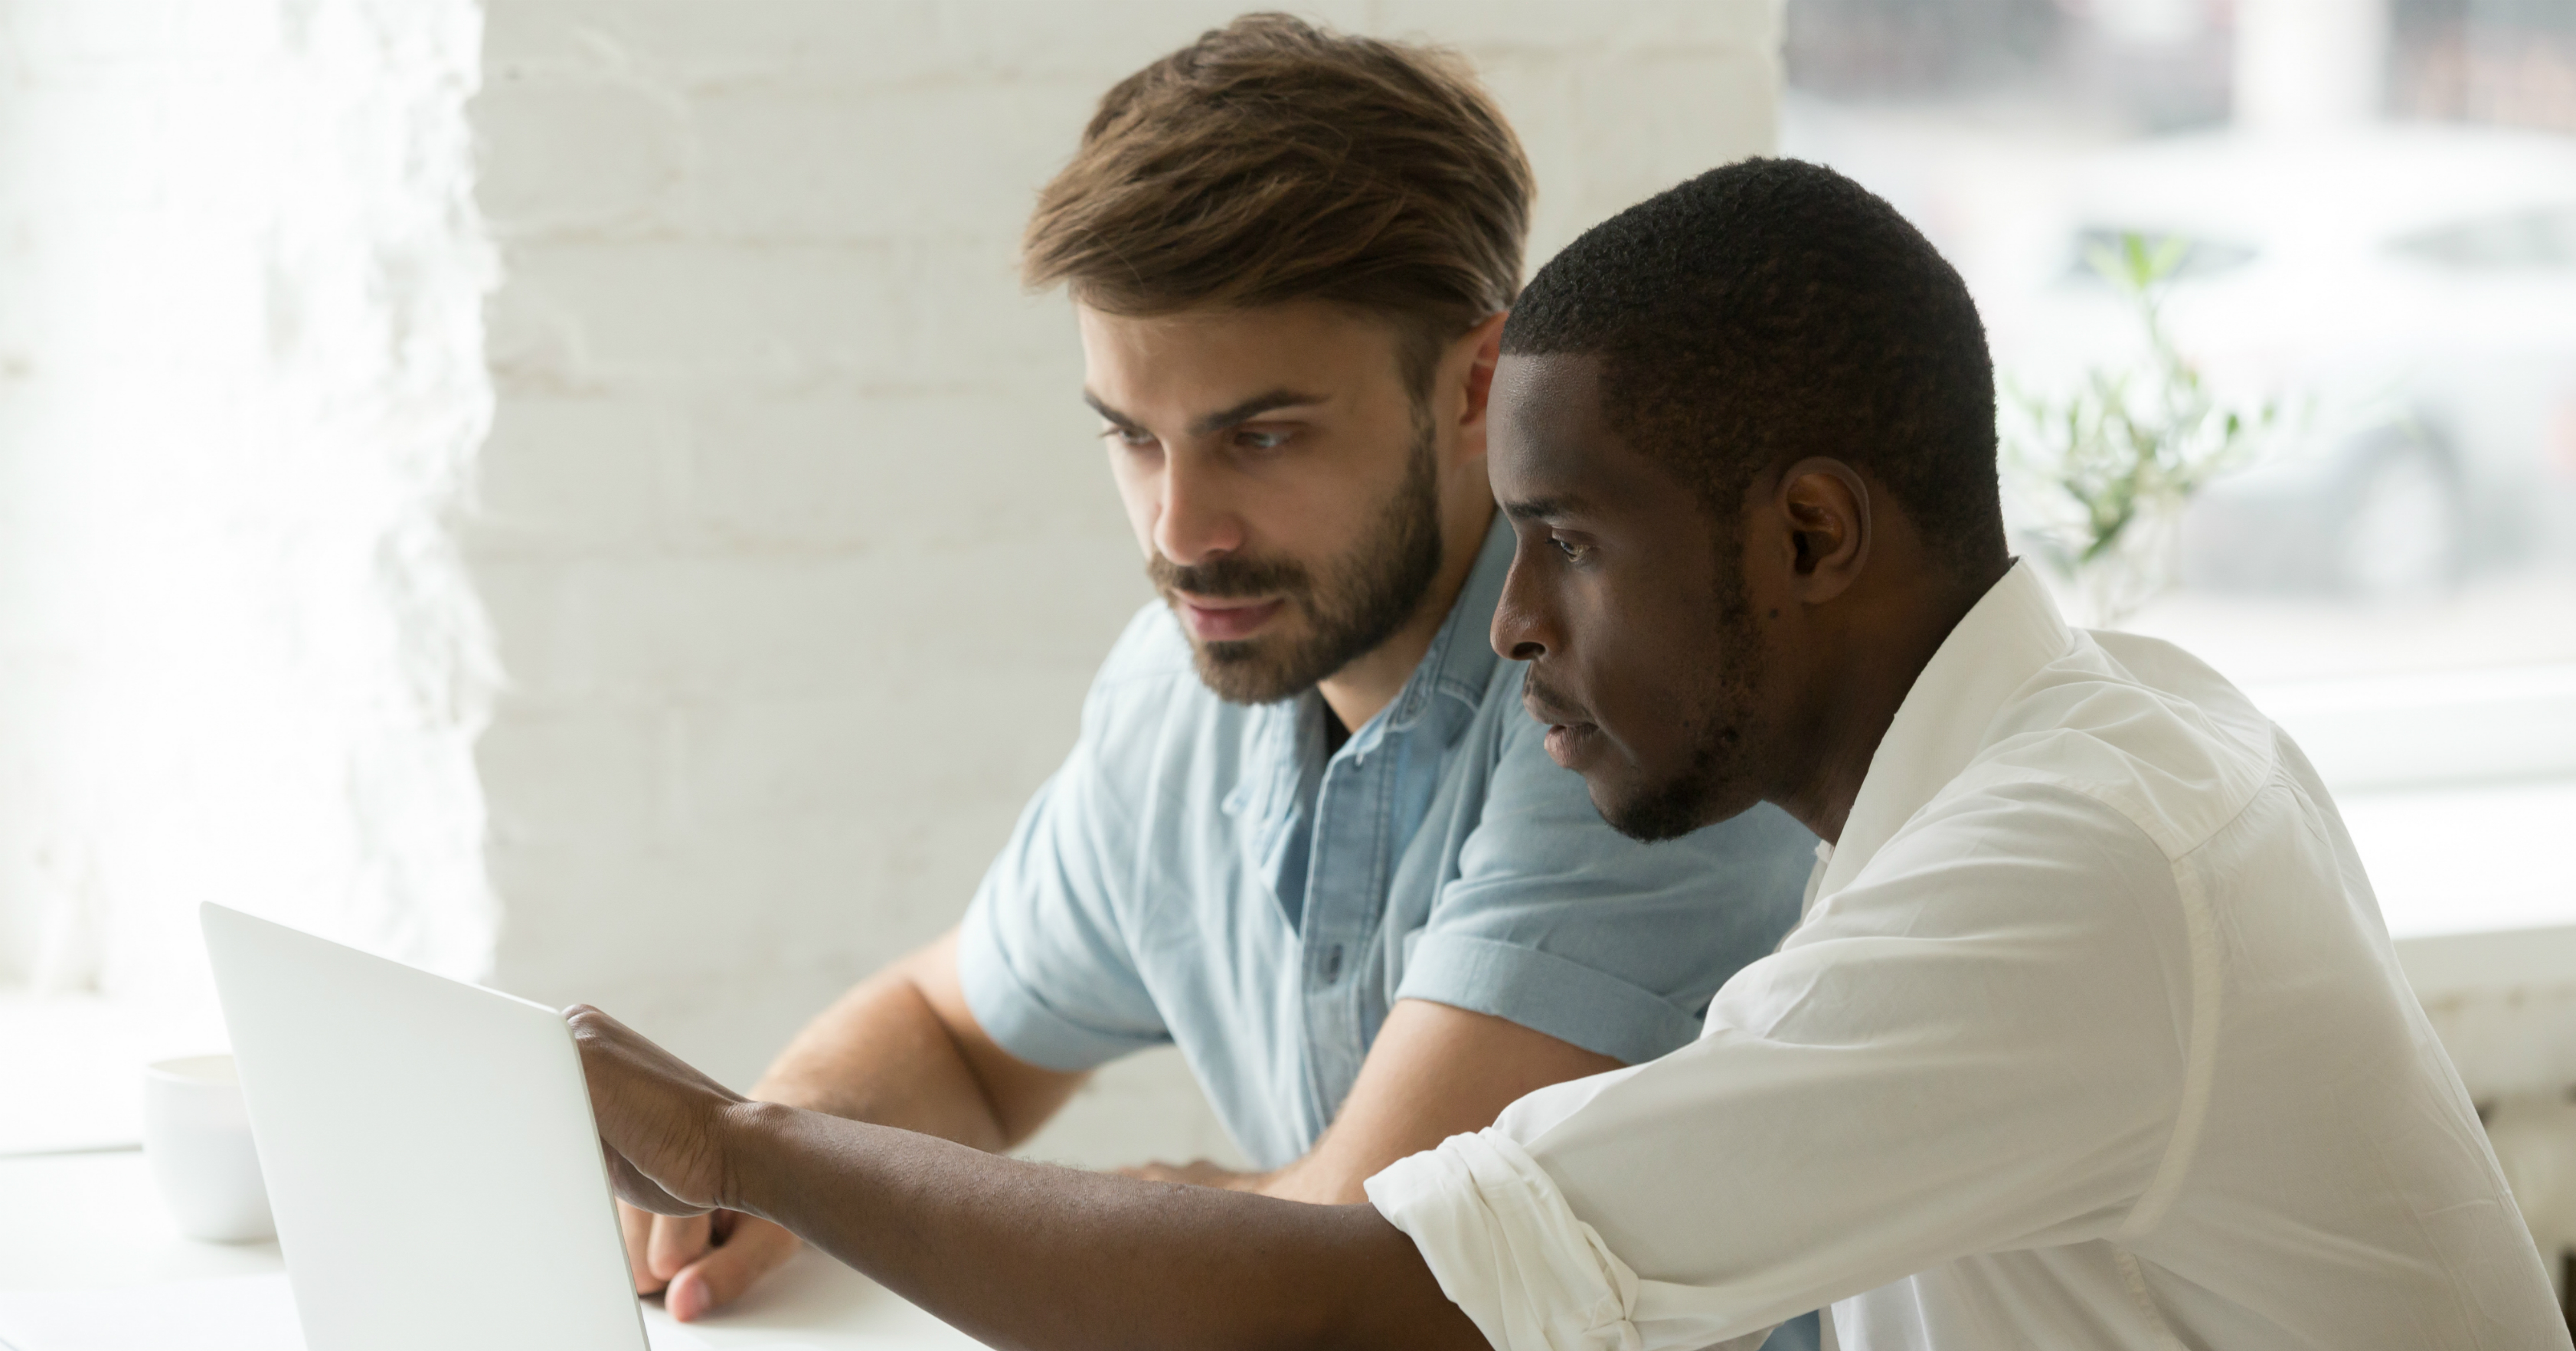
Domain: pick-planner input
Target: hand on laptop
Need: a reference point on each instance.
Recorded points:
(701, 1262)
(662, 1122)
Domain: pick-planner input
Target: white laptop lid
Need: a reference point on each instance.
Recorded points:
(429, 1151)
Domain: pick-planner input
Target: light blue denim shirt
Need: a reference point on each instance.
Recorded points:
(1198, 872)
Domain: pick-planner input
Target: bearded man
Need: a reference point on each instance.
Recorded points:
(1307, 833)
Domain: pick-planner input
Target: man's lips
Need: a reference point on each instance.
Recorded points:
(1568, 735)
(1217, 620)
(1549, 712)
(1568, 744)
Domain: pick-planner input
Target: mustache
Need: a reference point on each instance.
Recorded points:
(1546, 703)
(1229, 577)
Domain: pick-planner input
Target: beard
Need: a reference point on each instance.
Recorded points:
(1714, 784)
(1356, 603)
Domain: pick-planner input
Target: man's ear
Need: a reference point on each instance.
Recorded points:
(1823, 510)
(1483, 347)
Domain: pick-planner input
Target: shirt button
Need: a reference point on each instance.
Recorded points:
(1332, 964)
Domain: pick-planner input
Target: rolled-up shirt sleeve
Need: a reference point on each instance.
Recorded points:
(1043, 955)
(1043, 964)
(1966, 1049)
(1513, 1254)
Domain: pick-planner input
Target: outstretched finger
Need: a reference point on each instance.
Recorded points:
(677, 1241)
(755, 1248)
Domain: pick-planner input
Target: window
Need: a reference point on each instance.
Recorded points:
(2375, 215)
(241, 378)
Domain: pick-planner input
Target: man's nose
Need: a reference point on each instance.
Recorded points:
(1520, 630)
(1198, 520)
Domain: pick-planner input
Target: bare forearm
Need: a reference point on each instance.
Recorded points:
(1025, 1255)
(904, 1049)
(1436, 1071)
(880, 1054)
(1314, 1180)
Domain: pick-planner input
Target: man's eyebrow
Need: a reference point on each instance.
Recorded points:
(1223, 418)
(1541, 508)
(1251, 408)
(1106, 411)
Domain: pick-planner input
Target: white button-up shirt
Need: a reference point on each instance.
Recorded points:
(2091, 1037)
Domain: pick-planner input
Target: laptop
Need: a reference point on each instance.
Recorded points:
(429, 1150)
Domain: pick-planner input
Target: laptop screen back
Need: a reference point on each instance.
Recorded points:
(429, 1150)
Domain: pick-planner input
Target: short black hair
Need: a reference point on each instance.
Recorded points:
(1772, 310)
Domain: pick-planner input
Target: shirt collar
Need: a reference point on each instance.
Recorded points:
(2005, 638)
(1458, 665)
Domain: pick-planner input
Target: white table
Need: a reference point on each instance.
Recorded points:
(93, 1221)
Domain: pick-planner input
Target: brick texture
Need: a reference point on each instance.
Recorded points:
(241, 385)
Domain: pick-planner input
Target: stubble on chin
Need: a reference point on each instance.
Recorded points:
(1681, 802)
(1718, 779)
(1251, 670)
(1360, 602)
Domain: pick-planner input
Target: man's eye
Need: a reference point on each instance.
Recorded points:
(1134, 438)
(1249, 439)
(1573, 552)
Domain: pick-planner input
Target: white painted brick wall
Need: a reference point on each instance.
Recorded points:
(794, 539)
(241, 382)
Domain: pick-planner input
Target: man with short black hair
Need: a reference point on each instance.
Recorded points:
(1305, 833)
(2091, 1035)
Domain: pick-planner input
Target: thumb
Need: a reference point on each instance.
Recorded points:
(755, 1248)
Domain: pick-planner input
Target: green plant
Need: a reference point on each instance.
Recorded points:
(2108, 466)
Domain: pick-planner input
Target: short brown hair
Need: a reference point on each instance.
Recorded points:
(1272, 161)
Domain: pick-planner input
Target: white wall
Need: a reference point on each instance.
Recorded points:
(240, 385)
(792, 540)
(795, 541)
